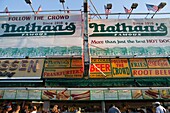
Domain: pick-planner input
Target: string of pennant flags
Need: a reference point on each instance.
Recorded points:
(39, 10)
(150, 7)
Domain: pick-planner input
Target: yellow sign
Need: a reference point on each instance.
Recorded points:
(158, 63)
(63, 73)
(100, 68)
(120, 68)
(100, 60)
(63, 68)
(55, 63)
(76, 63)
(138, 63)
(150, 72)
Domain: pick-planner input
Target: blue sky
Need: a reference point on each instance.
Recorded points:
(20, 5)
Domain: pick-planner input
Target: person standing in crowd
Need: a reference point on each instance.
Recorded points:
(113, 109)
(8, 109)
(79, 110)
(159, 108)
(17, 109)
(25, 109)
(55, 109)
(34, 109)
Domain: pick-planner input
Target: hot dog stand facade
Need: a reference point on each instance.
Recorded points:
(41, 61)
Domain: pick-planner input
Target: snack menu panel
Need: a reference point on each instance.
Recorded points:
(85, 94)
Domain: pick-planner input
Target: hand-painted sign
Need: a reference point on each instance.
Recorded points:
(138, 63)
(120, 68)
(150, 67)
(145, 37)
(158, 63)
(63, 68)
(150, 72)
(100, 68)
(21, 68)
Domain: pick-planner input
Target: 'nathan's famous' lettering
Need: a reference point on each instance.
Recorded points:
(30, 28)
(121, 29)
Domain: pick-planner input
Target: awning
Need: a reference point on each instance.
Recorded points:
(116, 82)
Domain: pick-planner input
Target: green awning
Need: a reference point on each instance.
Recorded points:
(116, 82)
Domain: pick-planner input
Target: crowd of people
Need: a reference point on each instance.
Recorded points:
(17, 109)
(8, 108)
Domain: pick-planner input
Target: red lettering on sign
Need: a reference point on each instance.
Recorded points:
(100, 67)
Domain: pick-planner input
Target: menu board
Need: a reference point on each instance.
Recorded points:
(165, 94)
(125, 94)
(9, 94)
(137, 94)
(1, 94)
(22, 94)
(63, 68)
(120, 68)
(110, 95)
(150, 94)
(97, 95)
(80, 95)
(34, 94)
(100, 68)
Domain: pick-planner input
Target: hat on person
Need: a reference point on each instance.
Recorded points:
(157, 103)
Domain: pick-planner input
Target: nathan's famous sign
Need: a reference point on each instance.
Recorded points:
(39, 25)
(128, 28)
(40, 35)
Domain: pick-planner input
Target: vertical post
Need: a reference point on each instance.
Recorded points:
(85, 41)
(103, 107)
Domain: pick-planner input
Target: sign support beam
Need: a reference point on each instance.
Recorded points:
(85, 41)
